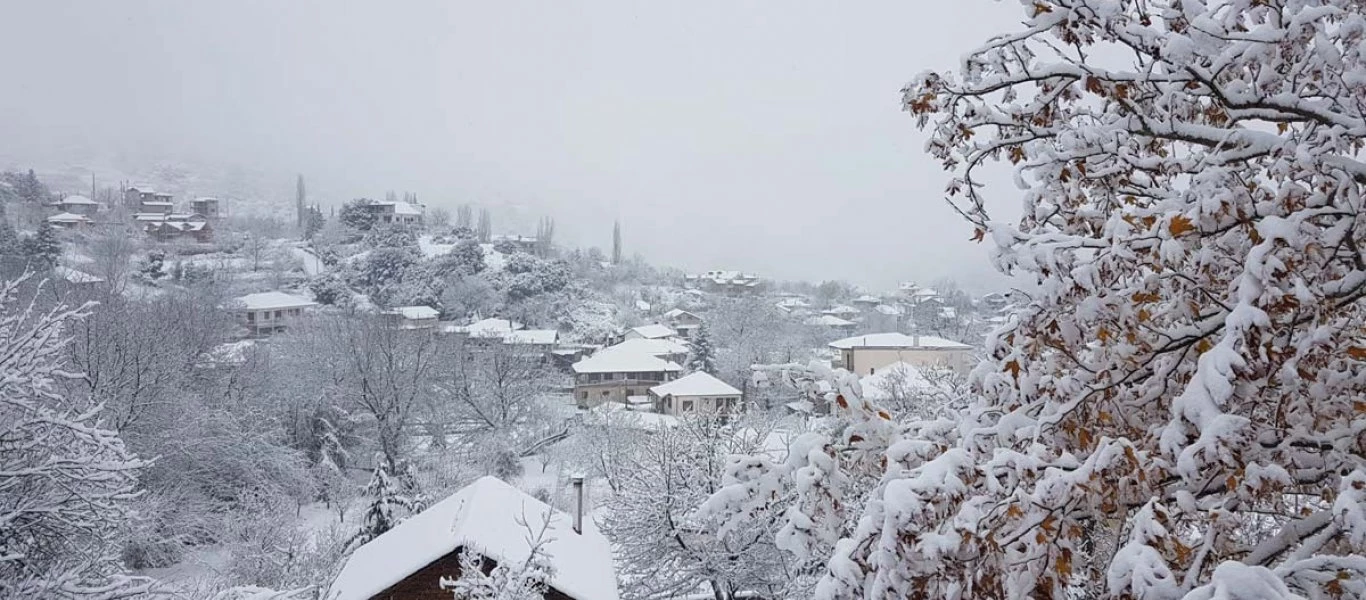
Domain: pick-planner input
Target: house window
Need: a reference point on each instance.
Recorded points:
(605, 393)
(583, 395)
(251, 317)
(687, 406)
(279, 314)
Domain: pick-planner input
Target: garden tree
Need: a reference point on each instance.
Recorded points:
(703, 356)
(484, 230)
(367, 367)
(313, 222)
(467, 258)
(330, 289)
(134, 355)
(112, 259)
(42, 248)
(468, 295)
(64, 479)
(388, 503)
(438, 218)
(494, 397)
(666, 549)
(1175, 411)
(464, 217)
(545, 236)
(354, 215)
(749, 331)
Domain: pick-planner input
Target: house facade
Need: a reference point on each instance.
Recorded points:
(413, 317)
(211, 208)
(684, 322)
(69, 221)
(396, 212)
(865, 354)
(617, 376)
(696, 394)
(268, 312)
(77, 205)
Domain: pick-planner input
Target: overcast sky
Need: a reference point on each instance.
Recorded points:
(760, 136)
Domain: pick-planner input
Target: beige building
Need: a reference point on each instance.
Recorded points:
(616, 376)
(696, 394)
(865, 354)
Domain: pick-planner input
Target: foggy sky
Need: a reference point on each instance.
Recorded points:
(760, 136)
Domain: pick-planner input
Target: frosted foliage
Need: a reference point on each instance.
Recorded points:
(1177, 410)
(64, 480)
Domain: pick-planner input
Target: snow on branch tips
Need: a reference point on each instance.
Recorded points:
(1177, 411)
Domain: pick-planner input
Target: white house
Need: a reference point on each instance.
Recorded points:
(726, 282)
(616, 376)
(650, 332)
(68, 220)
(684, 322)
(486, 328)
(413, 317)
(77, 204)
(268, 312)
(831, 322)
(498, 522)
(696, 394)
(396, 212)
(865, 354)
(532, 341)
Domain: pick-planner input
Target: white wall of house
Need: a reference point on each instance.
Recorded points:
(865, 361)
(698, 405)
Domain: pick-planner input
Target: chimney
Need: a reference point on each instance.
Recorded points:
(577, 482)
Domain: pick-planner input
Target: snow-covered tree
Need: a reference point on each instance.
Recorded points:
(42, 247)
(703, 356)
(1176, 410)
(389, 503)
(667, 549)
(64, 479)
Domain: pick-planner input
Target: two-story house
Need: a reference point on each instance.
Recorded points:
(77, 205)
(684, 322)
(395, 212)
(211, 208)
(616, 376)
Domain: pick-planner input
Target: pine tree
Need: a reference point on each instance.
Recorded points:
(300, 201)
(616, 243)
(703, 357)
(9, 239)
(389, 505)
(43, 247)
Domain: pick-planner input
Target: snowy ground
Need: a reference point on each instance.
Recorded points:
(312, 264)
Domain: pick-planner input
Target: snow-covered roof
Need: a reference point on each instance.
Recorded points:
(648, 347)
(415, 313)
(829, 321)
(489, 328)
(538, 337)
(157, 202)
(405, 208)
(77, 199)
(482, 517)
(897, 340)
(642, 306)
(695, 384)
(842, 309)
(889, 310)
(654, 331)
(868, 299)
(145, 189)
(149, 217)
(73, 276)
(679, 313)
(624, 362)
(272, 301)
(67, 217)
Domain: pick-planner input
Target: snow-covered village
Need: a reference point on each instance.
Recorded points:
(628, 301)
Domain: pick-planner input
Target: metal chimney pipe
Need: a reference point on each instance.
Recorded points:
(577, 482)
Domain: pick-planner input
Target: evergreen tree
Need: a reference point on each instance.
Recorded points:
(43, 247)
(388, 506)
(313, 222)
(9, 239)
(300, 202)
(703, 357)
(616, 243)
(485, 230)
